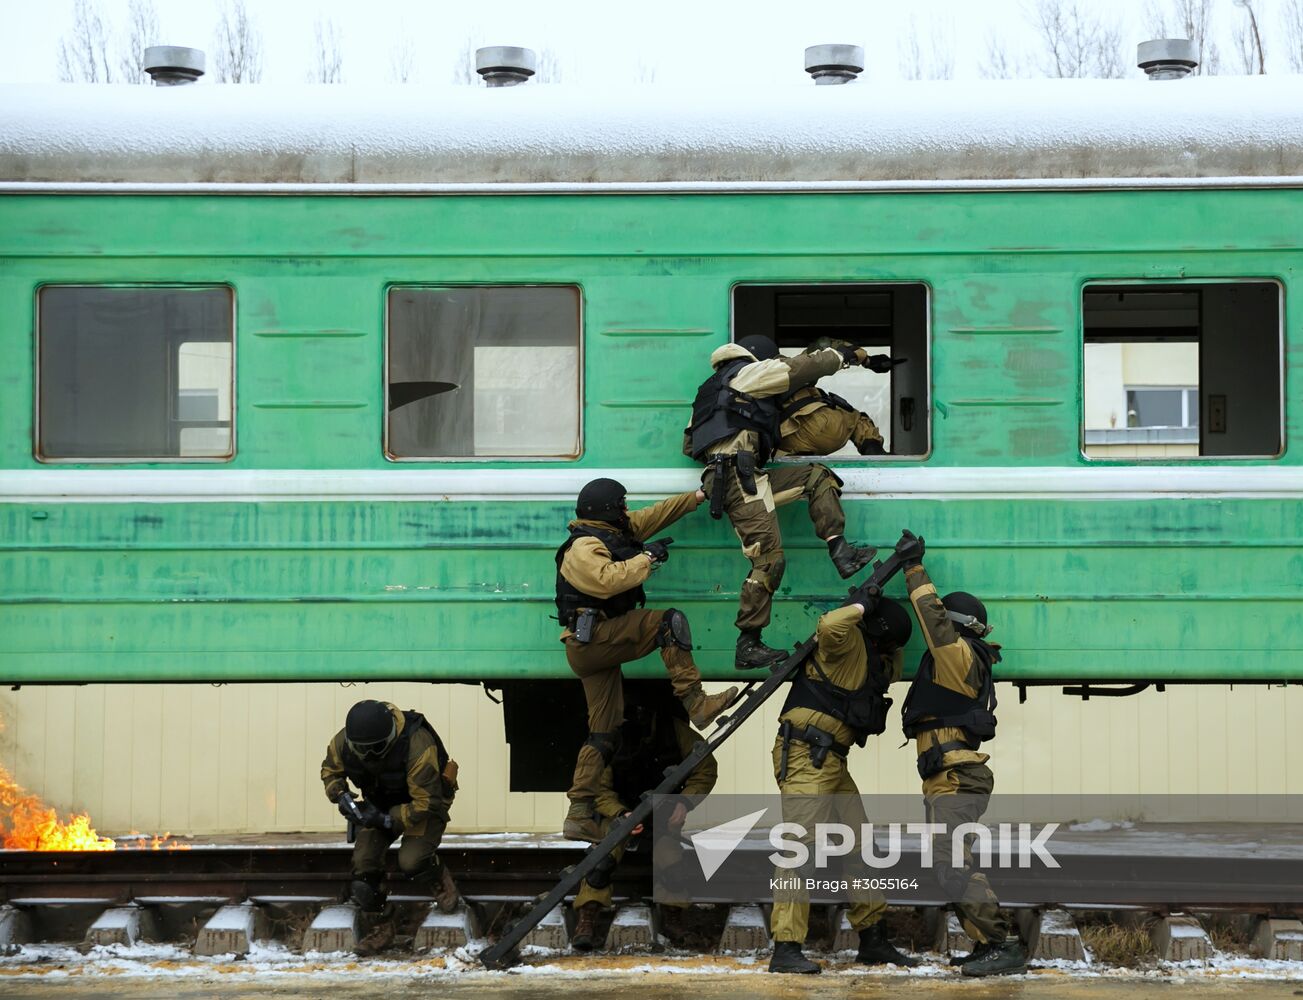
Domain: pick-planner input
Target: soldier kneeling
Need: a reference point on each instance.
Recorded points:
(407, 781)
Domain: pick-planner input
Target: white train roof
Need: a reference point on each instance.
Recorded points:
(963, 133)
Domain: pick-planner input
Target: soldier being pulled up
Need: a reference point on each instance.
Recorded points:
(407, 781)
(838, 700)
(950, 712)
(655, 736)
(600, 601)
(734, 431)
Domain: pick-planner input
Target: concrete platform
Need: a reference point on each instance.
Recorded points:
(634, 929)
(551, 931)
(1051, 935)
(15, 927)
(1181, 938)
(1278, 938)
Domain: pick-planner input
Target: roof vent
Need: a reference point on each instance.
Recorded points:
(1167, 58)
(505, 65)
(170, 65)
(834, 63)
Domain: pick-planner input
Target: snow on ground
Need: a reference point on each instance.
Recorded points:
(150, 961)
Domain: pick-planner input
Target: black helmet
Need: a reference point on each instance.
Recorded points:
(370, 729)
(888, 624)
(602, 500)
(762, 348)
(963, 608)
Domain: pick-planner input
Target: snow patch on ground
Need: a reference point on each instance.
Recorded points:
(1101, 826)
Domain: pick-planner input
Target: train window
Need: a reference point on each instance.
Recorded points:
(886, 318)
(134, 373)
(486, 372)
(1182, 370)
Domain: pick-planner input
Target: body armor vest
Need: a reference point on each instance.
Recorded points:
(808, 395)
(384, 783)
(947, 708)
(569, 598)
(719, 412)
(862, 709)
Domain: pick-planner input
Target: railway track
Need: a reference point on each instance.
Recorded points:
(220, 899)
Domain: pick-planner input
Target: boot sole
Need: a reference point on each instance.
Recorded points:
(796, 972)
(1016, 970)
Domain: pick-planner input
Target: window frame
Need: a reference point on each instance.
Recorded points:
(928, 301)
(581, 367)
(227, 286)
(1157, 280)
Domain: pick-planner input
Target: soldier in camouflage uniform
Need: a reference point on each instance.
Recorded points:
(407, 781)
(949, 712)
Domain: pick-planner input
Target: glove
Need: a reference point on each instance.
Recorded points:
(882, 363)
(853, 356)
(344, 810)
(910, 548)
(659, 551)
(872, 448)
(375, 819)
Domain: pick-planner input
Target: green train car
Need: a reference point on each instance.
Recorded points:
(300, 383)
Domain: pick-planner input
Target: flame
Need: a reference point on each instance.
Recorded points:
(27, 823)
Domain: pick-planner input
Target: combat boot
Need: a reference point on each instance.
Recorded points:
(585, 936)
(380, 937)
(1004, 959)
(751, 652)
(367, 894)
(979, 951)
(787, 957)
(850, 559)
(876, 949)
(703, 708)
(446, 896)
(581, 822)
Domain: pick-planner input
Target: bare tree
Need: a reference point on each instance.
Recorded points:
(549, 68)
(142, 32)
(328, 59)
(463, 70)
(84, 52)
(238, 45)
(937, 63)
(1190, 19)
(402, 61)
(645, 72)
(997, 63)
(1249, 49)
(1077, 42)
(1292, 14)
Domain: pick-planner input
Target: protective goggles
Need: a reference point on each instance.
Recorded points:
(373, 748)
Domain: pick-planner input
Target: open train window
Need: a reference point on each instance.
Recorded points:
(484, 372)
(134, 373)
(1182, 370)
(884, 317)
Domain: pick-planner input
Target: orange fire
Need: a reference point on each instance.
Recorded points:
(29, 824)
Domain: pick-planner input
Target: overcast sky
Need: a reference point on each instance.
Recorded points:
(596, 41)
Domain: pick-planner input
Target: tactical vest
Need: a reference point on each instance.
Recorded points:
(719, 412)
(384, 785)
(947, 708)
(569, 598)
(799, 399)
(647, 747)
(863, 710)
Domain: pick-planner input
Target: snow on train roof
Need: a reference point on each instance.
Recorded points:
(1012, 132)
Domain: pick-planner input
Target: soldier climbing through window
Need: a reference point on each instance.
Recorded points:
(817, 422)
(601, 569)
(734, 431)
(950, 712)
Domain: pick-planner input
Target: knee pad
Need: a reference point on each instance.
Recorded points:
(367, 894)
(606, 744)
(822, 479)
(673, 629)
(602, 876)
